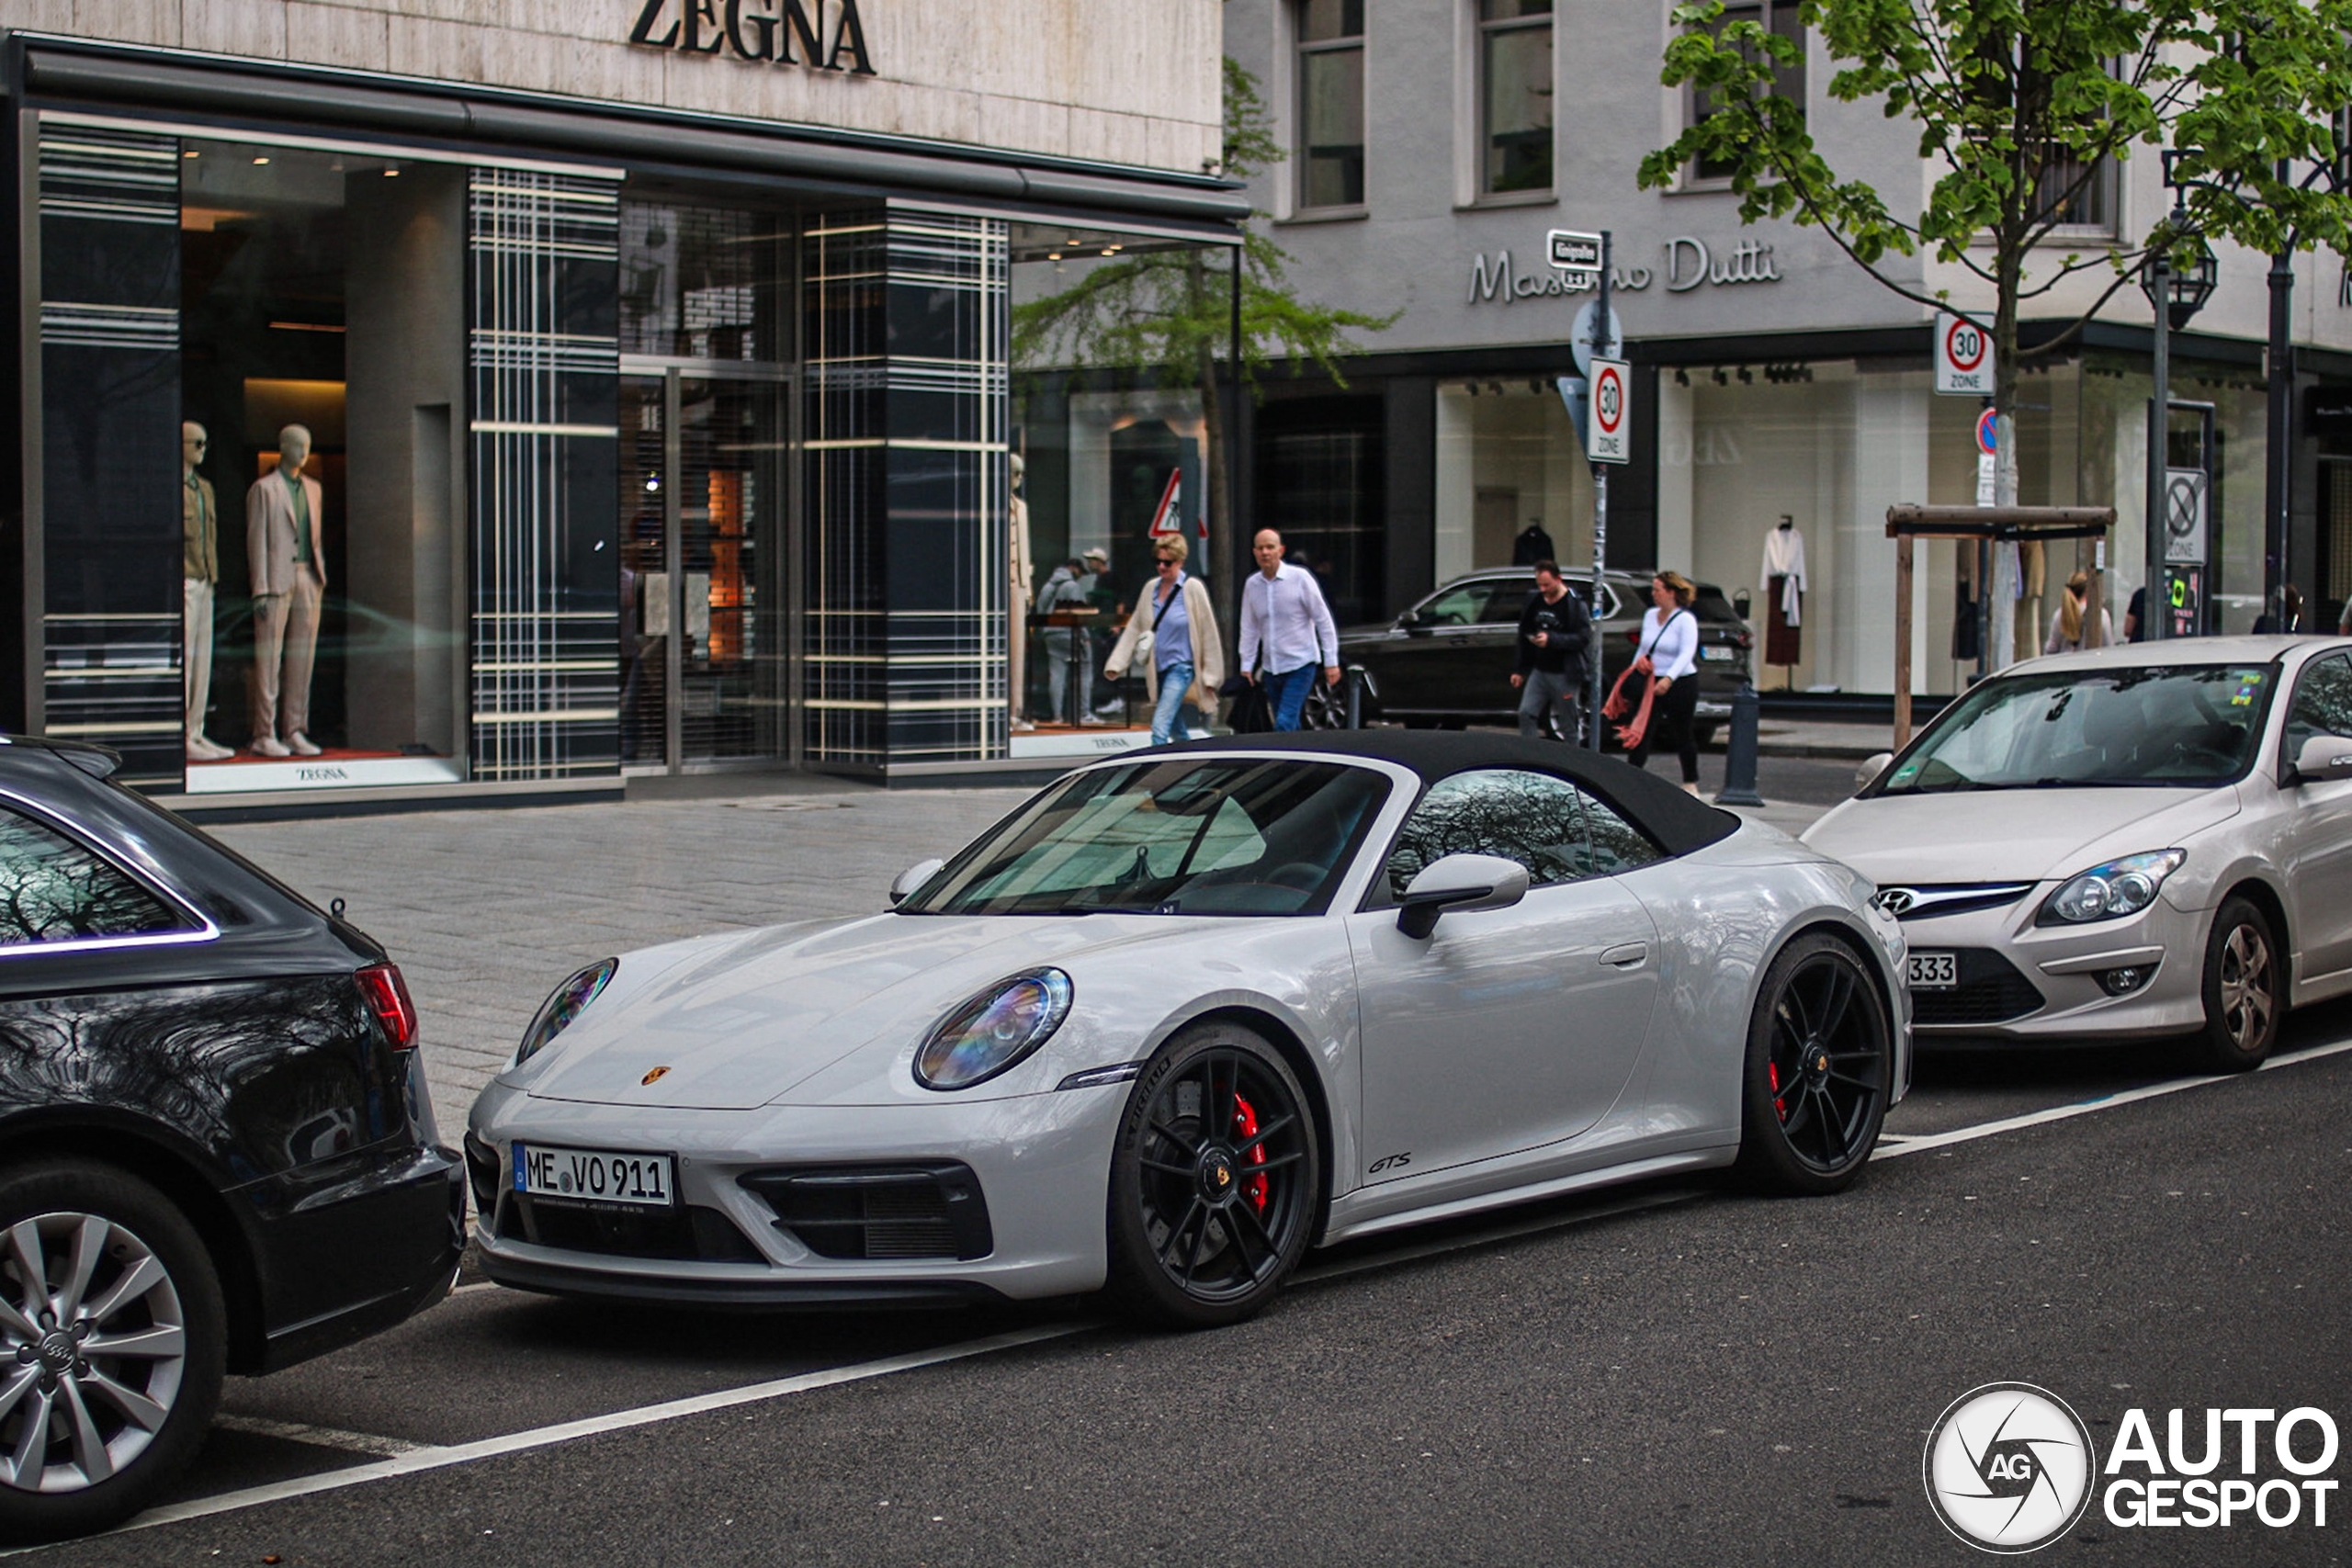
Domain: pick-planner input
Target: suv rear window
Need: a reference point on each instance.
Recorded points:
(1710, 605)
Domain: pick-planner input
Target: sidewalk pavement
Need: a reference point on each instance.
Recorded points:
(1828, 739)
(486, 910)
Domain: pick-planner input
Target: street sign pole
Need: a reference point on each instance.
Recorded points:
(1600, 521)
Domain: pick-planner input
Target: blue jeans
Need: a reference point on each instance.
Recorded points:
(1287, 693)
(1168, 718)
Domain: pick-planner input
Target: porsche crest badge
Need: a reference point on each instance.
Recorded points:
(654, 1077)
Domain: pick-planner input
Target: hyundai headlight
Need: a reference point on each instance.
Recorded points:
(995, 1031)
(567, 1002)
(2109, 892)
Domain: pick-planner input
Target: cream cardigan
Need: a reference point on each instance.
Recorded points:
(1208, 649)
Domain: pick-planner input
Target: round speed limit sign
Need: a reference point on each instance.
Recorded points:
(1964, 356)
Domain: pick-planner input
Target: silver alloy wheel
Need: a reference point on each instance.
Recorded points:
(93, 1350)
(2245, 986)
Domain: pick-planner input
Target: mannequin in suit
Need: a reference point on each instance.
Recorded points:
(200, 573)
(283, 511)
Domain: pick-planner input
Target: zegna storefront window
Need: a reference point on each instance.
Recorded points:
(322, 365)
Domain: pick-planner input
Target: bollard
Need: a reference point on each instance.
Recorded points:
(1354, 679)
(1739, 755)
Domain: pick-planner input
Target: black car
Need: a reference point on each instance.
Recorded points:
(1448, 660)
(217, 1154)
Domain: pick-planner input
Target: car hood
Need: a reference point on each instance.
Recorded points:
(737, 1021)
(2026, 834)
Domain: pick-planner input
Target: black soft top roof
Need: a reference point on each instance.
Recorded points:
(1679, 821)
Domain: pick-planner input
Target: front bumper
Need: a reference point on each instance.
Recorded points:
(1041, 1163)
(2024, 982)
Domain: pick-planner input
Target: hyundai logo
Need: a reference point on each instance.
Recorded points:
(1895, 901)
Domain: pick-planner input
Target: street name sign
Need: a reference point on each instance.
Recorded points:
(1574, 251)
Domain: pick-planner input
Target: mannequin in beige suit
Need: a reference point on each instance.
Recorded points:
(283, 511)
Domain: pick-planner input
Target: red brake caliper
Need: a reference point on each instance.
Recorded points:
(1245, 1127)
(1772, 1075)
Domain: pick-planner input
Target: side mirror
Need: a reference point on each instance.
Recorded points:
(1870, 769)
(1460, 883)
(914, 877)
(2323, 758)
(1413, 621)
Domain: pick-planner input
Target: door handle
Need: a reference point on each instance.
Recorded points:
(1626, 955)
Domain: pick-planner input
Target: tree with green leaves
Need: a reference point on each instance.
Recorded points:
(1167, 315)
(2018, 107)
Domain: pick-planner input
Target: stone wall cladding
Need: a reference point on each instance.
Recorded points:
(1126, 80)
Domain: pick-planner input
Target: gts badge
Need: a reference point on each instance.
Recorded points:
(1392, 1162)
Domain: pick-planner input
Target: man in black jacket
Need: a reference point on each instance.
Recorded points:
(1555, 631)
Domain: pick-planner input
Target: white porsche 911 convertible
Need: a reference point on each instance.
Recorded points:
(1187, 1013)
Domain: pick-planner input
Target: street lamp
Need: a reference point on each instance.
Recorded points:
(2175, 296)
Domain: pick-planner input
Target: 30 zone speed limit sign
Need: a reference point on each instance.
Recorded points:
(1964, 357)
(1612, 413)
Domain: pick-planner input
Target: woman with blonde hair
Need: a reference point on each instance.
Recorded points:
(1668, 657)
(2066, 624)
(1174, 627)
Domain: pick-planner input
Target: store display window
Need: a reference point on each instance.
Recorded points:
(321, 378)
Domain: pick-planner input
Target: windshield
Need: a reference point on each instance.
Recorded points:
(1184, 836)
(2181, 725)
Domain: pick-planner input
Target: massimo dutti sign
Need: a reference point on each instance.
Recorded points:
(823, 34)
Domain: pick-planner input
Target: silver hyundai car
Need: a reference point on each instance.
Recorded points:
(2139, 841)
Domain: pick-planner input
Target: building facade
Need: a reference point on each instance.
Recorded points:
(1432, 146)
(644, 365)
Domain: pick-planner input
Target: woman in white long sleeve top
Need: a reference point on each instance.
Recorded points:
(1668, 653)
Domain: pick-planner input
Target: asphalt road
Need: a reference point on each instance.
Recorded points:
(1666, 1373)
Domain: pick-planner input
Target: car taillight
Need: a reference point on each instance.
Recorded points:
(388, 994)
(1635, 636)
(1746, 639)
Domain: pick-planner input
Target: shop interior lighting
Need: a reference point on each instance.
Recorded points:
(1745, 378)
(1722, 379)
(1053, 256)
(306, 327)
(1110, 249)
(191, 152)
(259, 162)
(1681, 378)
(392, 173)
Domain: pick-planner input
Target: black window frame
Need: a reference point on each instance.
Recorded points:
(1304, 154)
(1780, 18)
(1489, 29)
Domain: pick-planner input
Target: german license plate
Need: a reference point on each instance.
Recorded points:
(1934, 971)
(1715, 654)
(595, 1176)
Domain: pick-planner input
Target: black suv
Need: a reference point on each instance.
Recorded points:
(1448, 660)
(217, 1154)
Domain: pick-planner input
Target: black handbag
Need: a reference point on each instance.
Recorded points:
(1247, 710)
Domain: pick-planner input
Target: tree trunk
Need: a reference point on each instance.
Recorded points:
(2008, 269)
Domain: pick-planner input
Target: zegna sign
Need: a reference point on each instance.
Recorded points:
(763, 31)
(1687, 264)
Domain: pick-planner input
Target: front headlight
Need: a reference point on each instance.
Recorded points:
(2109, 892)
(567, 1002)
(995, 1031)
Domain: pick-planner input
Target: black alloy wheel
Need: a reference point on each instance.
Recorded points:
(1214, 1181)
(2244, 980)
(112, 1345)
(1820, 1063)
(1326, 707)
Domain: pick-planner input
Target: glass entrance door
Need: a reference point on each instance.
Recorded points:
(703, 499)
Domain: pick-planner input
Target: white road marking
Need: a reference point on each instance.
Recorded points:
(1918, 1142)
(427, 1458)
(317, 1437)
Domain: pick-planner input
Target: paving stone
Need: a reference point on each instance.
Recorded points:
(485, 910)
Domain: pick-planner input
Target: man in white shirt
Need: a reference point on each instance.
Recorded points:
(1286, 628)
